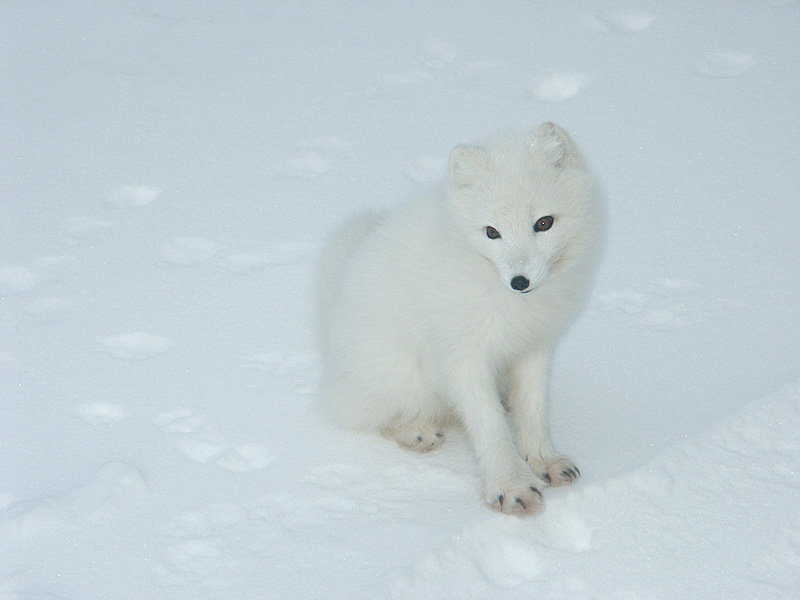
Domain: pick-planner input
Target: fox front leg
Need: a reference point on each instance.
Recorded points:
(509, 485)
(528, 404)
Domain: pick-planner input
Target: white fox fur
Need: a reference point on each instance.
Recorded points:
(425, 315)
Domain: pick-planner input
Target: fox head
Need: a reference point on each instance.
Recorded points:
(525, 205)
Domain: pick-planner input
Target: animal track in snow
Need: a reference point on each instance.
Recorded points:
(480, 68)
(337, 475)
(197, 552)
(425, 169)
(282, 253)
(101, 412)
(85, 224)
(436, 53)
(136, 345)
(724, 64)
(485, 553)
(245, 261)
(127, 196)
(662, 305)
(7, 362)
(621, 22)
(341, 490)
(244, 457)
(204, 560)
(666, 303)
(55, 267)
(673, 316)
(189, 250)
(276, 363)
(405, 78)
(240, 458)
(558, 87)
(305, 164)
(58, 262)
(179, 420)
(327, 144)
(313, 158)
(496, 553)
(624, 300)
(200, 449)
(48, 308)
(16, 279)
(203, 445)
(320, 510)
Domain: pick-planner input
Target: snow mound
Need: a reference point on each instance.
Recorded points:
(690, 505)
(482, 557)
(110, 491)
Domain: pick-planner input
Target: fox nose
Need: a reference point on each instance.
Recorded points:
(520, 283)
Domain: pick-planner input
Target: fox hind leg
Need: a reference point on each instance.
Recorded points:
(418, 436)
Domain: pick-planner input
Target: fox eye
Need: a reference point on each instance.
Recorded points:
(543, 224)
(492, 233)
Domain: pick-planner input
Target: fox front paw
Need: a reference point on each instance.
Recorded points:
(521, 496)
(556, 471)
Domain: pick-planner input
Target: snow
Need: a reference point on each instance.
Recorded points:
(133, 195)
(168, 174)
(558, 87)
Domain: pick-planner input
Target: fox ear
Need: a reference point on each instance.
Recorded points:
(465, 164)
(555, 146)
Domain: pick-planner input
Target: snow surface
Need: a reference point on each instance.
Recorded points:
(168, 172)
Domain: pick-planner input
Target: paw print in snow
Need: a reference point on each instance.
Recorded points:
(133, 196)
(244, 457)
(282, 253)
(621, 22)
(558, 87)
(305, 164)
(136, 345)
(98, 413)
(425, 169)
(16, 280)
(80, 225)
(48, 308)
(189, 250)
(240, 458)
(664, 304)
(277, 363)
(327, 144)
(436, 53)
(179, 420)
(724, 64)
(201, 444)
(199, 551)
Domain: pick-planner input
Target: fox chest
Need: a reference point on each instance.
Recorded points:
(493, 336)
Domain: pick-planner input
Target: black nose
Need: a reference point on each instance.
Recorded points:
(520, 283)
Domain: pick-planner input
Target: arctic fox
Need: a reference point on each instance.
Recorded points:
(450, 305)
